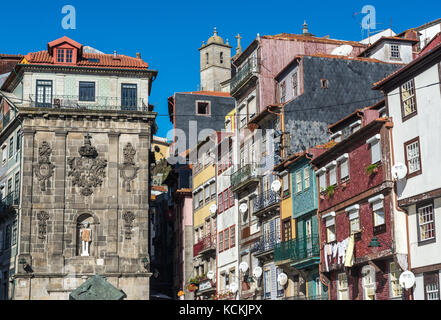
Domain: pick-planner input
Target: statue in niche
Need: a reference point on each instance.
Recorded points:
(86, 239)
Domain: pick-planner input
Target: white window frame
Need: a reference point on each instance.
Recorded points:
(394, 275)
(342, 290)
(354, 218)
(377, 203)
(332, 168)
(375, 142)
(344, 160)
(306, 178)
(368, 273)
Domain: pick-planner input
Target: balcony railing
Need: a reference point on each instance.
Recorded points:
(265, 243)
(209, 242)
(245, 73)
(297, 249)
(265, 199)
(243, 174)
(12, 199)
(100, 103)
(205, 244)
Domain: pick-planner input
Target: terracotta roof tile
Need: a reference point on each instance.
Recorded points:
(301, 37)
(104, 60)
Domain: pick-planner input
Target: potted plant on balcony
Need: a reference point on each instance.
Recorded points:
(372, 169)
(330, 191)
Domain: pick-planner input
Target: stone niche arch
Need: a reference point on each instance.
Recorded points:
(78, 221)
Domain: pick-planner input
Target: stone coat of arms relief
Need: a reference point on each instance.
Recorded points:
(128, 169)
(88, 170)
(44, 169)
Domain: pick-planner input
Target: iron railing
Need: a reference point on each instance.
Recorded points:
(265, 200)
(99, 103)
(244, 173)
(297, 249)
(12, 199)
(206, 243)
(197, 248)
(265, 243)
(249, 67)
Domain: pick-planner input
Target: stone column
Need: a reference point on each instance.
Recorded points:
(114, 185)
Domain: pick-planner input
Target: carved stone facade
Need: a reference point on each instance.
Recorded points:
(87, 151)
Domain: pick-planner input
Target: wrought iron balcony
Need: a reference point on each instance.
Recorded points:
(99, 103)
(244, 176)
(12, 199)
(264, 201)
(265, 244)
(298, 249)
(208, 243)
(245, 73)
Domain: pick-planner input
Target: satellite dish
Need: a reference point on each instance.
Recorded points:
(213, 208)
(343, 50)
(399, 171)
(275, 186)
(243, 207)
(407, 279)
(234, 287)
(210, 274)
(257, 272)
(243, 266)
(282, 279)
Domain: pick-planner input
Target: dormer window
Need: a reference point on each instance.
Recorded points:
(60, 55)
(69, 55)
(394, 51)
(64, 55)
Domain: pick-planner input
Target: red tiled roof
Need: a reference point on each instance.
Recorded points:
(370, 47)
(104, 60)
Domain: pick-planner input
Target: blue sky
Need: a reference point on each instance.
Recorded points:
(169, 33)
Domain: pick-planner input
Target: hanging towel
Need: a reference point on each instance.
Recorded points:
(349, 259)
(326, 252)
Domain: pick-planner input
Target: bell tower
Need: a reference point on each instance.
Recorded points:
(215, 59)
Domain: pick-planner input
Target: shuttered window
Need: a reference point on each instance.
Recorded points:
(342, 286)
(394, 275)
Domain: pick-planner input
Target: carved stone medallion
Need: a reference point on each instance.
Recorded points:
(42, 217)
(44, 169)
(128, 224)
(128, 169)
(88, 170)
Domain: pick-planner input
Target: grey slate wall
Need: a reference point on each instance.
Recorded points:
(349, 88)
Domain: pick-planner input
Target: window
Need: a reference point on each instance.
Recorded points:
(221, 241)
(408, 101)
(333, 176)
(368, 282)
(378, 217)
(11, 147)
(243, 115)
(18, 140)
(394, 275)
(203, 108)
(201, 197)
(231, 197)
(322, 179)
(220, 203)
(232, 236)
(10, 186)
(60, 55)
(306, 177)
(375, 147)
(294, 84)
(330, 233)
(4, 154)
(252, 106)
(394, 51)
(207, 194)
(226, 239)
(86, 91)
(221, 57)
(267, 281)
(431, 285)
(129, 96)
(283, 91)
(342, 287)
(213, 190)
(285, 181)
(298, 181)
(69, 55)
(426, 222)
(344, 170)
(43, 93)
(413, 157)
(17, 184)
(324, 83)
(287, 230)
(14, 233)
(279, 287)
(226, 199)
(8, 236)
(264, 142)
(378, 211)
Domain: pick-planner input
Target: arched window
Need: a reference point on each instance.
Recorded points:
(85, 235)
(368, 282)
(221, 57)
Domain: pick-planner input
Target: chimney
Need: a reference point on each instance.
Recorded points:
(138, 55)
(114, 54)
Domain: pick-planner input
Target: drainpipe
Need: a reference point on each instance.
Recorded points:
(399, 209)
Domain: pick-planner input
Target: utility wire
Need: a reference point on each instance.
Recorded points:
(286, 111)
